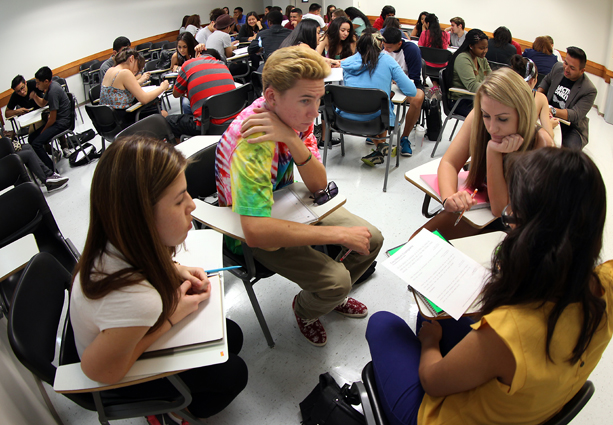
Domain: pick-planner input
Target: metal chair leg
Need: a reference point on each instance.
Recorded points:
(258, 313)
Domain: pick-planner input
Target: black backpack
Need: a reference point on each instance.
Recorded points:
(433, 118)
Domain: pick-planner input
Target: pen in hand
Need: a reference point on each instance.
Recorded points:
(345, 256)
(463, 211)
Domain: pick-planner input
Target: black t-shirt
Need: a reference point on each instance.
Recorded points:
(16, 101)
(58, 101)
(560, 96)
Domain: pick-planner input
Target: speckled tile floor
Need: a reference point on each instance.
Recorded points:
(279, 378)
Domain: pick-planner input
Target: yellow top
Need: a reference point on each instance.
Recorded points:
(540, 387)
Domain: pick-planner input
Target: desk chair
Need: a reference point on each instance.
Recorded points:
(94, 73)
(94, 94)
(105, 122)
(6, 147)
(356, 100)
(449, 111)
(23, 211)
(156, 48)
(21, 133)
(256, 82)
(497, 65)
(565, 416)
(143, 49)
(436, 56)
(32, 329)
(12, 171)
(153, 126)
(170, 45)
(62, 82)
(85, 77)
(200, 176)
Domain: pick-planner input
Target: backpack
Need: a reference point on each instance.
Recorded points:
(165, 59)
(433, 118)
(78, 158)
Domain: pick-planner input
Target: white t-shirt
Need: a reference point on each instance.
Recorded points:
(316, 17)
(192, 28)
(203, 35)
(219, 40)
(135, 305)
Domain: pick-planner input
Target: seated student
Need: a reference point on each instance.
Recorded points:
(183, 24)
(120, 89)
(469, 68)
(359, 21)
(419, 25)
(529, 72)
(499, 48)
(119, 44)
(315, 13)
(198, 79)
(571, 95)
(503, 121)
(295, 16)
(239, 18)
(434, 36)
(386, 12)
(408, 56)
(51, 180)
(307, 32)
(392, 22)
(127, 292)
(339, 41)
(186, 44)
(193, 24)
(250, 29)
(59, 113)
(339, 13)
(329, 11)
(546, 316)
(220, 39)
(256, 156)
(456, 31)
(269, 40)
(542, 55)
(371, 68)
(555, 51)
(203, 34)
(288, 11)
(20, 101)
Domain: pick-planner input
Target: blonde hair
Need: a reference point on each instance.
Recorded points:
(288, 65)
(507, 87)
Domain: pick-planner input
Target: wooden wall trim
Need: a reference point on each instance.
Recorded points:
(72, 68)
(590, 67)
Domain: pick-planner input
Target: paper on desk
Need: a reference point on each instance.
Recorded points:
(241, 51)
(287, 206)
(440, 272)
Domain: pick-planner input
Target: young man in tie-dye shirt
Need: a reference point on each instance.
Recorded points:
(256, 156)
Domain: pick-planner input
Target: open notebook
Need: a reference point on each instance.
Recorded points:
(481, 196)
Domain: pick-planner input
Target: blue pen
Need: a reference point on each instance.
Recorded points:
(222, 269)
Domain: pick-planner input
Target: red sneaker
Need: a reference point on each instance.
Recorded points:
(351, 308)
(312, 329)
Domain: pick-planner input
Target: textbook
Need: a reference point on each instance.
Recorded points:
(481, 197)
(435, 270)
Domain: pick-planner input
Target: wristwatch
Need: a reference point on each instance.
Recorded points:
(553, 110)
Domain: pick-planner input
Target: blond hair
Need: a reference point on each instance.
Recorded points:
(288, 65)
(507, 87)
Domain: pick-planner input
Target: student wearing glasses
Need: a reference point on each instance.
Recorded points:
(256, 156)
(545, 320)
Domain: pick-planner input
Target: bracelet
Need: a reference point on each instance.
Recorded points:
(171, 325)
(444, 200)
(307, 160)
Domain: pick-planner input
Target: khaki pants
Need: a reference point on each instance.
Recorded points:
(324, 281)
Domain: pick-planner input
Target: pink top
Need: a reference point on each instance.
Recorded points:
(424, 40)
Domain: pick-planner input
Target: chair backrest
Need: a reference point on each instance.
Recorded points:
(444, 90)
(6, 147)
(434, 55)
(256, 82)
(153, 126)
(170, 45)
(144, 47)
(85, 66)
(12, 172)
(152, 65)
(35, 314)
(368, 377)
(356, 100)
(222, 106)
(158, 45)
(104, 120)
(498, 65)
(95, 66)
(62, 82)
(73, 111)
(200, 173)
(24, 210)
(94, 93)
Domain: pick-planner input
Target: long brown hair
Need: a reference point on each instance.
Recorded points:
(129, 180)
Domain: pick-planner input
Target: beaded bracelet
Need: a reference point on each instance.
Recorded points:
(307, 160)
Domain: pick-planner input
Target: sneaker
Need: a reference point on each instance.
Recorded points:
(383, 148)
(56, 182)
(67, 152)
(351, 308)
(369, 141)
(405, 147)
(373, 158)
(312, 329)
(335, 140)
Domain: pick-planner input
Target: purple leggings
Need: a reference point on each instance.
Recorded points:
(395, 352)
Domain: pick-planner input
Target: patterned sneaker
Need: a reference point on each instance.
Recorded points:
(405, 147)
(369, 141)
(312, 329)
(373, 158)
(384, 148)
(351, 308)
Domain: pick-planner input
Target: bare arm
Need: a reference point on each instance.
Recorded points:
(129, 82)
(12, 112)
(451, 164)
(39, 100)
(174, 62)
(543, 107)
(271, 233)
(480, 357)
(496, 184)
(322, 45)
(51, 120)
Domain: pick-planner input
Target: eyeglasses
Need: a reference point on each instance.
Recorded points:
(324, 195)
(507, 217)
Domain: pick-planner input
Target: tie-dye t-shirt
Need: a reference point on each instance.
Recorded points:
(248, 173)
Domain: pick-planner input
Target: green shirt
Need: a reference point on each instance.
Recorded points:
(466, 75)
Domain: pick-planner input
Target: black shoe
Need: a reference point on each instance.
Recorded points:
(335, 141)
(368, 273)
(55, 182)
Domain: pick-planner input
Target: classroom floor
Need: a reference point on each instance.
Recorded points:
(281, 377)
